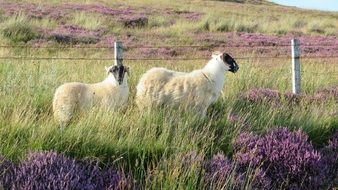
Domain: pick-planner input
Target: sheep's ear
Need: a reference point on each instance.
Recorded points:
(227, 58)
(216, 54)
(108, 69)
(127, 69)
(224, 56)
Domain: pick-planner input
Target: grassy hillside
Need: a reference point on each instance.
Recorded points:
(151, 146)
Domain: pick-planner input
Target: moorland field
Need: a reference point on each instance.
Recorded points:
(45, 44)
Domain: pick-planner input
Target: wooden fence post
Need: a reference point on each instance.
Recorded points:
(295, 66)
(118, 53)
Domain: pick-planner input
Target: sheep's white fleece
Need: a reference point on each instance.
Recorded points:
(74, 96)
(195, 90)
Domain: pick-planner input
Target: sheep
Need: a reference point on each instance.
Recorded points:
(110, 93)
(191, 91)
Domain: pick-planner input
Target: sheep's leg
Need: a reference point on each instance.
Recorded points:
(64, 114)
(63, 111)
(203, 113)
(144, 104)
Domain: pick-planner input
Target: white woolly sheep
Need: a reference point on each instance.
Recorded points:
(110, 93)
(191, 91)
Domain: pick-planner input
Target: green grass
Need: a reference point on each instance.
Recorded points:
(91, 22)
(147, 145)
(19, 29)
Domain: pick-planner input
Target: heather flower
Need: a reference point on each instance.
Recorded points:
(61, 11)
(49, 170)
(259, 95)
(333, 141)
(73, 34)
(192, 158)
(233, 118)
(260, 180)
(223, 172)
(325, 94)
(286, 157)
(330, 160)
(275, 45)
(7, 169)
(292, 98)
(219, 169)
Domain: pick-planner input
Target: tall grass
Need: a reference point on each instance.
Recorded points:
(19, 29)
(92, 22)
(147, 144)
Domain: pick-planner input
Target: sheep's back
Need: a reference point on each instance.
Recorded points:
(164, 87)
(70, 93)
(192, 89)
(106, 94)
(152, 80)
(150, 86)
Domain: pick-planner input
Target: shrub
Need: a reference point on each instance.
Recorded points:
(286, 157)
(74, 35)
(48, 170)
(330, 159)
(221, 172)
(219, 168)
(19, 32)
(279, 159)
(327, 93)
(6, 172)
(274, 97)
(259, 95)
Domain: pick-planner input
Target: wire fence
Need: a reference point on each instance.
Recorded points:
(156, 59)
(128, 47)
(106, 46)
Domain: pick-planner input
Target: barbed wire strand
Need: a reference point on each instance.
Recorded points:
(158, 59)
(286, 72)
(319, 73)
(165, 46)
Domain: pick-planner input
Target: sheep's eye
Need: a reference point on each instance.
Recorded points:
(229, 60)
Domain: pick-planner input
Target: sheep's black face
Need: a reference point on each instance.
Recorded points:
(119, 72)
(231, 62)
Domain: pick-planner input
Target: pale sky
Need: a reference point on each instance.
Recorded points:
(325, 5)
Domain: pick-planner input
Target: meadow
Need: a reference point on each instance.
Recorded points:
(150, 146)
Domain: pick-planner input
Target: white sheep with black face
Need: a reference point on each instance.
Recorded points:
(111, 93)
(192, 91)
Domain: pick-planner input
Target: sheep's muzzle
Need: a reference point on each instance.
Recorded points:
(234, 67)
(231, 62)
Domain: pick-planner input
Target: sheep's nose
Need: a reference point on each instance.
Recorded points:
(234, 68)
